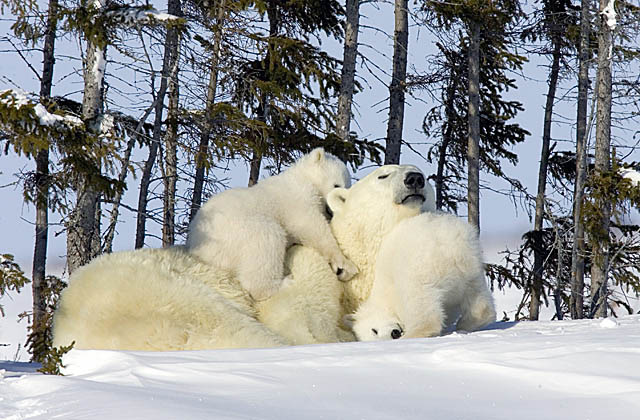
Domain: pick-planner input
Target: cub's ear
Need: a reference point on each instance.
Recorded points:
(317, 154)
(349, 320)
(336, 199)
(429, 204)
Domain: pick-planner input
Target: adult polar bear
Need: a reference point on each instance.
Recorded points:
(166, 299)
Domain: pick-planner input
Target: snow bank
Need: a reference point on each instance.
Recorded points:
(530, 370)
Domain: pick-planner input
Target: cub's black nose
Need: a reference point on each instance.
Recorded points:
(414, 180)
(395, 334)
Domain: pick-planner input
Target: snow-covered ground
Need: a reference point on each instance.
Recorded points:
(531, 370)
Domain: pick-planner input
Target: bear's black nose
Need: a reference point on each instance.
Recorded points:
(414, 180)
(395, 334)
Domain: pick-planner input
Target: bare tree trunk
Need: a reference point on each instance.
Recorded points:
(473, 150)
(398, 83)
(347, 83)
(203, 147)
(539, 255)
(82, 232)
(38, 281)
(600, 249)
(171, 165)
(577, 251)
(113, 220)
(446, 140)
(169, 67)
(254, 168)
(256, 160)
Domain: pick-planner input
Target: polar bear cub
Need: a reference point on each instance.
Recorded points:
(247, 230)
(429, 276)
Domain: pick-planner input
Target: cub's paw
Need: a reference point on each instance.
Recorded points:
(344, 269)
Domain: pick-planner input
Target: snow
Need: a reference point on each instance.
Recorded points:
(18, 99)
(529, 370)
(135, 16)
(609, 14)
(630, 174)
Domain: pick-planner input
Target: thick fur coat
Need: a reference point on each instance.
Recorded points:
(248, 230)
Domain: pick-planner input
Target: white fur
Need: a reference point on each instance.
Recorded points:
(365, 213)
(429, 276)
(157, 299)
(166, 299)
(247, 230)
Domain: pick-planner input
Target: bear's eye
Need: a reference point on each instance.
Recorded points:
(336, 186)
(383, 176)
(374, 331)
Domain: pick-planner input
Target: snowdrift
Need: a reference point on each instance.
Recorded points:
(530, 370)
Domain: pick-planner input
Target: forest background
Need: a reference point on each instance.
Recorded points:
(276, 93)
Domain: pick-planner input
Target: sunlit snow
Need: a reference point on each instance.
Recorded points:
(529, 370)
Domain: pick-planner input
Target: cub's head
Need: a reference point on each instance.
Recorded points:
(325, 171)
(391, 192)
(373, 325)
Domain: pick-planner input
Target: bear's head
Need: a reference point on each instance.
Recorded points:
(381, 199)
(373, 325)
(325, 171)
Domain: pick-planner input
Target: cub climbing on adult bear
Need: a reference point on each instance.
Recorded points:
(247, 230)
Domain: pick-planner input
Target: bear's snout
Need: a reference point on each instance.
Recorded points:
(414, 180)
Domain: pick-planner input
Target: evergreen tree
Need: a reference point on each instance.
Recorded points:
(451, 117)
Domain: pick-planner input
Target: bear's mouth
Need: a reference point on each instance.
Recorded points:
(413, 197)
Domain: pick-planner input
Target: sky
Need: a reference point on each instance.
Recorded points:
(576, 369)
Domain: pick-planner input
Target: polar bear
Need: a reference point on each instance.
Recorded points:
(157, 299)
(167, 299)
(365, 213)
(429, 276)
(247, 230)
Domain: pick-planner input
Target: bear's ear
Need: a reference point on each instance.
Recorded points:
(336, 199)
(317, 154)
(349, 320)
(429, 204)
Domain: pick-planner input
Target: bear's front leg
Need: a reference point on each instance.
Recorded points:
(314, 231)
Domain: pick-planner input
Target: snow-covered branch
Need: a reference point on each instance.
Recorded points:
(18, 99)
(631, 174)
(132, 16)
(609, 14)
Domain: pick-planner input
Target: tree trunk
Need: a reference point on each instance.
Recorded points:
(398, 83)
(254, 168)
(446, 140)
(113, 220)
(273, 15)
(169, 67)
(600, 249)
(539, 255)
(38, 281)
(203, 147)
(577, 251)
(82, 232)
(473, 150)
(347, 82)
(171, 165)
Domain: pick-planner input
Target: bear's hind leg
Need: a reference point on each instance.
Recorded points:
(478, 310)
